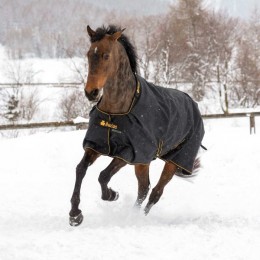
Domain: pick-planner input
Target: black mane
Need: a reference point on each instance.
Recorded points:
(130, 49)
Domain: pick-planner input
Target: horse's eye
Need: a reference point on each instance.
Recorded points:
(105, 56)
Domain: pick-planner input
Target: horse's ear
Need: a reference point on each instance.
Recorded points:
(116, 35)
(91, 32)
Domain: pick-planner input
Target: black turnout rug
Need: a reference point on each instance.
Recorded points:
(161, 122)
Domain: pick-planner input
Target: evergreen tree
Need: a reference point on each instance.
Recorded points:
(12, 110)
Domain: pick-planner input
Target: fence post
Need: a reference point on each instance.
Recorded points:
(252, 123)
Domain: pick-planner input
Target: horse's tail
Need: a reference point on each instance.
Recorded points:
(196, 166)
(184, 174)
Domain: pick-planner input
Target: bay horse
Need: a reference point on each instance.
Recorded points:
(133, 122)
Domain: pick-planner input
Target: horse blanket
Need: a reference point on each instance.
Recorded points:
(161, 122)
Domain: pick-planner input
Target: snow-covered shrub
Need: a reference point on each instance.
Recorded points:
(29, 104)
(74, 104)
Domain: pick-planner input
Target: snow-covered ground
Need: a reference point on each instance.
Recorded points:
(215, 217)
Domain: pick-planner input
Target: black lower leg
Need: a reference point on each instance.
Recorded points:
(106, 175)
(75, 199)
(88, 158)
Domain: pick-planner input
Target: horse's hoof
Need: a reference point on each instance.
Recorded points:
(113, 195)
(76, 221)
(116, 196)
(110, 195)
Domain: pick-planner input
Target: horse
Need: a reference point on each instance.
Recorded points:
(134, 122)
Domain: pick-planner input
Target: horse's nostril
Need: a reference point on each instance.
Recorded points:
(87, 94)
(94, 93)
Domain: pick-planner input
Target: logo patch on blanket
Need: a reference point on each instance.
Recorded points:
(107, 124)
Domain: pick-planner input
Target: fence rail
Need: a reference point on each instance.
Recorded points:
(250, 115)
(67, 84)
(56, 84)
(43, 125)
(60, 84)
(84, 125)
(216, 116)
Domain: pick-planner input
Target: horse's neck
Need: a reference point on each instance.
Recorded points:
(119, 90)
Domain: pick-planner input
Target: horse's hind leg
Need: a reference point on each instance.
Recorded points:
(76, 216)
(167, 174)
(142, 175)
(106, 175)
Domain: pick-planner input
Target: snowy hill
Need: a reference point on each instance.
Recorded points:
(215, 217)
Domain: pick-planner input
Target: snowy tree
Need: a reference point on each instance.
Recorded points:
(248, 63)
(148, 43)
(192, 16)
(181, 53)
(12, 112)
(169, 57)
(223, 36)
(164, 67)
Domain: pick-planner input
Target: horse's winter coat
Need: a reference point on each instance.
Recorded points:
(161, 122)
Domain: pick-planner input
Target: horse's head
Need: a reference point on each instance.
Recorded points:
(102, 57)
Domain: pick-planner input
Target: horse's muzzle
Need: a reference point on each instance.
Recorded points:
(93, 95)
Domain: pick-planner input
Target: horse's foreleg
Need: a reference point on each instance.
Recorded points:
(76, 216)
(142, 175)
(106, 175)
(166, 176)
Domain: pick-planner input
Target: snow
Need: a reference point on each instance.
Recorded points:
(41, 70)
(2, 52)
(217, 216)
(80, 119)
(37, 70)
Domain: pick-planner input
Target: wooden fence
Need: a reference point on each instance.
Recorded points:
(56, 84)
(250, 115)
(84, 125)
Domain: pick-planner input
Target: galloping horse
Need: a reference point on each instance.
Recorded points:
(133, 122)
